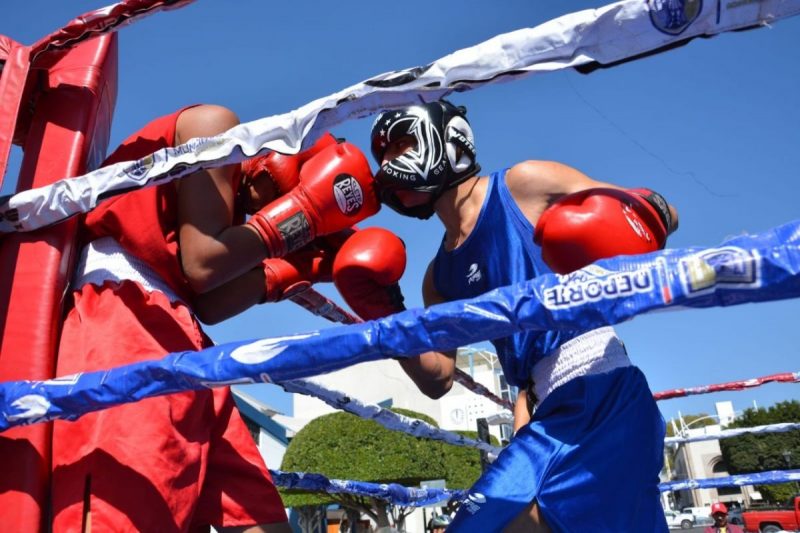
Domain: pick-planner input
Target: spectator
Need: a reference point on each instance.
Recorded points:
(719, 512)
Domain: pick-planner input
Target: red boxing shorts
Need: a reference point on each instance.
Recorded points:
(170, 463)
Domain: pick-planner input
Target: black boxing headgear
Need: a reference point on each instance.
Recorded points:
(443, 157)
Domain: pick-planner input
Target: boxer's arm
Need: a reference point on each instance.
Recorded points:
(432, 372)
(213, 251)
(272, 281)
(522, 412)
(536, 185)
(231, 298)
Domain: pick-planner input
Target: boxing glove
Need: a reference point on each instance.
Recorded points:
(284, 170)
(290, 275)
(335, 191)
(366, 272)
(594, 224)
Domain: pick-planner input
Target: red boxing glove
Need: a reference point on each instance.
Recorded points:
(336, 190)
(287, 276)
(284, 170)
(366, 272)
(594, 224)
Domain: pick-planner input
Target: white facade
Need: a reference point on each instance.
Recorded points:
(703, 459)
(385, 383)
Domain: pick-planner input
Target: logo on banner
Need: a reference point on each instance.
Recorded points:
(593, 283)
(729, 266)
(139, 169)
(32, 408)
(263, 350)
(674, 16)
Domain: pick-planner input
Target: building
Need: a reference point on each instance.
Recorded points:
(703, 459)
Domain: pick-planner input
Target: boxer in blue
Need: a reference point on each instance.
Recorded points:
(588, 459)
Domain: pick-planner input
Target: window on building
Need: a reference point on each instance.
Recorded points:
(507, 392)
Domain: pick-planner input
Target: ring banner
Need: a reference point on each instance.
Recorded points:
(744, 269)
(604, 36)
(392, 492)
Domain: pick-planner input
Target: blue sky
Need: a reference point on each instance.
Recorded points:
(714, 126)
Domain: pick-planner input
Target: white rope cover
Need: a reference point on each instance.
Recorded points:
(618, 31)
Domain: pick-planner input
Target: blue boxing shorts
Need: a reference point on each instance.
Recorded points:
(591, 458)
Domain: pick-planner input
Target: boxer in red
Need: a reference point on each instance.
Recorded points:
(154, 262)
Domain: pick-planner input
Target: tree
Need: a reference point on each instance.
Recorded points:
(344, 446)
(758, 453)
(463, 464)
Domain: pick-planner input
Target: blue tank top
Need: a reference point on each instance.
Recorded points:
(499, 251)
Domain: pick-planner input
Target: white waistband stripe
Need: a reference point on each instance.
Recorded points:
(595, 352)
(105, 260)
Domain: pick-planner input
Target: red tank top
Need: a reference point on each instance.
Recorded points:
(145, 222)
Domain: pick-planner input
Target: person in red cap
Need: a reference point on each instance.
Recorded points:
(155, 263)
(719, 512)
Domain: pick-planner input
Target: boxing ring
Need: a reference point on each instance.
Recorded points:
(38, 229)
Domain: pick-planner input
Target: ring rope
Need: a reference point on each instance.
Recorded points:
(785, 377)
(781, 427)
(745, 269)
(104, 20)
(322, 306)
(385, 417)
(392, 492)
(418, 497)
(608, 35)
(772, 477)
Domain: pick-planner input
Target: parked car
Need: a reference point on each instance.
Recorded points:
(676, 519)
(786, 518)
(701, 515)
(735, 517)
(697, 511)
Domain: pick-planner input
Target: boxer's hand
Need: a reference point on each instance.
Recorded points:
(367, 270)
(336, 190)
(594, 224)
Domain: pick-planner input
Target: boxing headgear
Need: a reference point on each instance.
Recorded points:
(443, 157)
(284, 170)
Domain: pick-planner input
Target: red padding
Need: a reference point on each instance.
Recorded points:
(70, 127)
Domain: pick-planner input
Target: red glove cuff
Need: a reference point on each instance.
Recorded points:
(281, 280)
